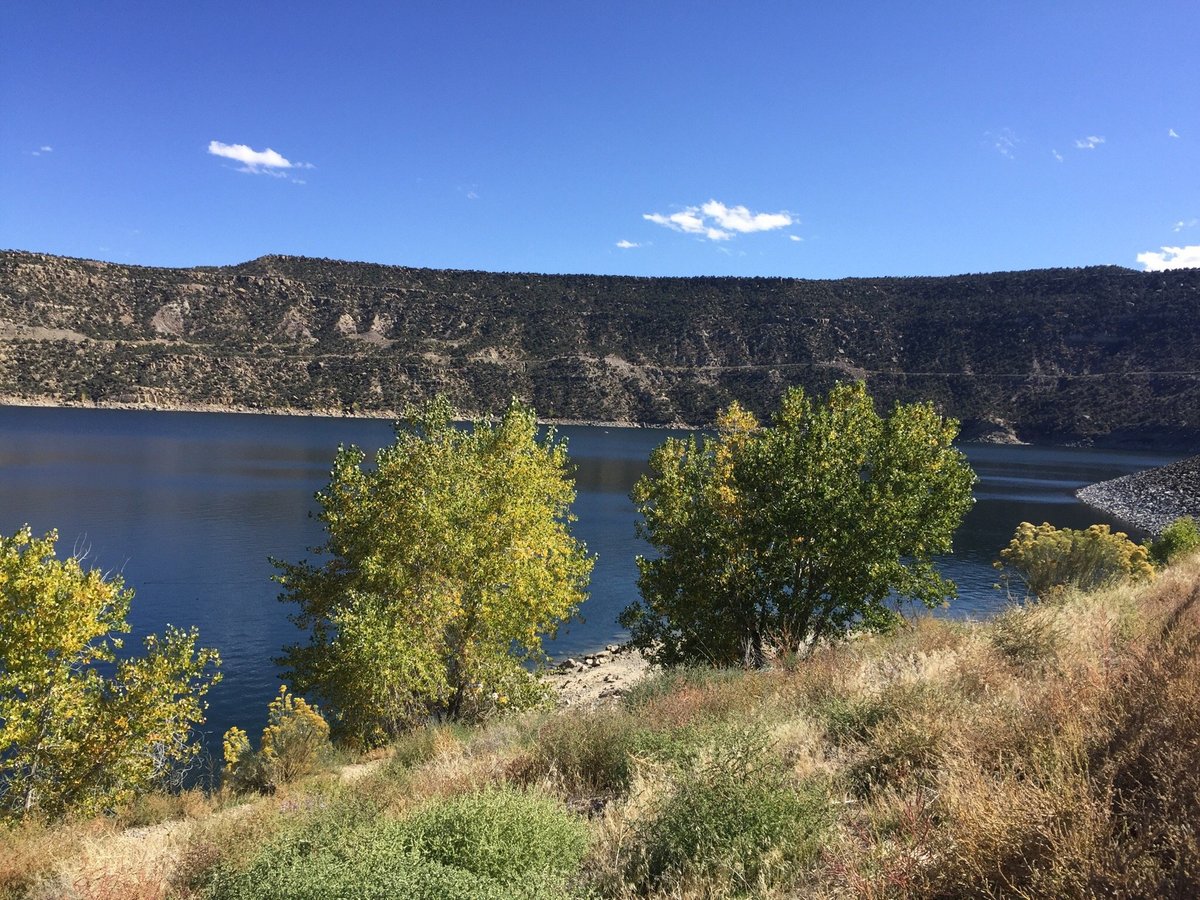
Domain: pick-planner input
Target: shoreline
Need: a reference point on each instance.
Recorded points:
(300, 412)
(1151, 499)
(594, 678)
(1115, 441)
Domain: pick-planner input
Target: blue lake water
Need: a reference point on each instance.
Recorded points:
(188, 507)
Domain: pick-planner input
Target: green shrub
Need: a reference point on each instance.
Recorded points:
(1177, 540)
(512, 837)
(413, 748)
(734, 820)
(498, 843)
(589, 752)
(303, 872)
(1046, 558)
(295, 735)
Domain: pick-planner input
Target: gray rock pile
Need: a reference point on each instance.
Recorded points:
(1152, 499)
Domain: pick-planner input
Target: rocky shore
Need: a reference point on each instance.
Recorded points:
(1151, 499)
(596, 677)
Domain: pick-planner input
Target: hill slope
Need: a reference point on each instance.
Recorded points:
(1054, 355)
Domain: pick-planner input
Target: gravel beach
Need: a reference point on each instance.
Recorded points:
(1152, 499)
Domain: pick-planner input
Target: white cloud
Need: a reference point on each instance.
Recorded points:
(1171, 133)
(256, 162)
(1057, 155)
(45, 148)
(718, 222)
(795, 237)
(1171, 258)
(627, 245)
(1004, 141)
(689, 222)
(1091, 142)
(1185, 223)
(740, 219)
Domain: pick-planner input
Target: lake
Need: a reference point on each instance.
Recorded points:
(188, 507)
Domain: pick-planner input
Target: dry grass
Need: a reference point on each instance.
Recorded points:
(30, 851)
(1051, 751)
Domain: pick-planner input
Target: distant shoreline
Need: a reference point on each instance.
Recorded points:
(389, 415)
(985, 437)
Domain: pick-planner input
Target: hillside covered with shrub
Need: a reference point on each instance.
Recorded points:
(1103, 354)
(1051, 751)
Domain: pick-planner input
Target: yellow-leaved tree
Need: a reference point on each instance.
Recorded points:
(448, 561)
(82, 729)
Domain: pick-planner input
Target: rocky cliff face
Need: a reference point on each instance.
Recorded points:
(1103, 354)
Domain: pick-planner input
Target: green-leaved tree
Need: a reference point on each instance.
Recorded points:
(448, 561)
(81, 729)
(825, 519)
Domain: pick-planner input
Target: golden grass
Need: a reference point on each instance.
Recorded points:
(1051, 751)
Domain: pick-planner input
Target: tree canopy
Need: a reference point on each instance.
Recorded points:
(81, 728)
(448, 561)
(827, 518)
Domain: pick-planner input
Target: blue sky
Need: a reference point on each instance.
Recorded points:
(797, 139)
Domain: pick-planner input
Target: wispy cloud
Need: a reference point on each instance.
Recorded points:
(257, 162)
(1058, 156)
(627, 245)
(688, 221)
(1003, 141)
(45, 148)
(1091, 142)
(718, 222)
(1171, 258)
(1184, 223)
(795, 237)
(1172, 133)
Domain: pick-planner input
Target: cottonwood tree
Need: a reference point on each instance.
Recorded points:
(448, 562)
(827, 518)
(82, 729)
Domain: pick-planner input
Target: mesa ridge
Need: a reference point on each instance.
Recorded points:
(1098, 355)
